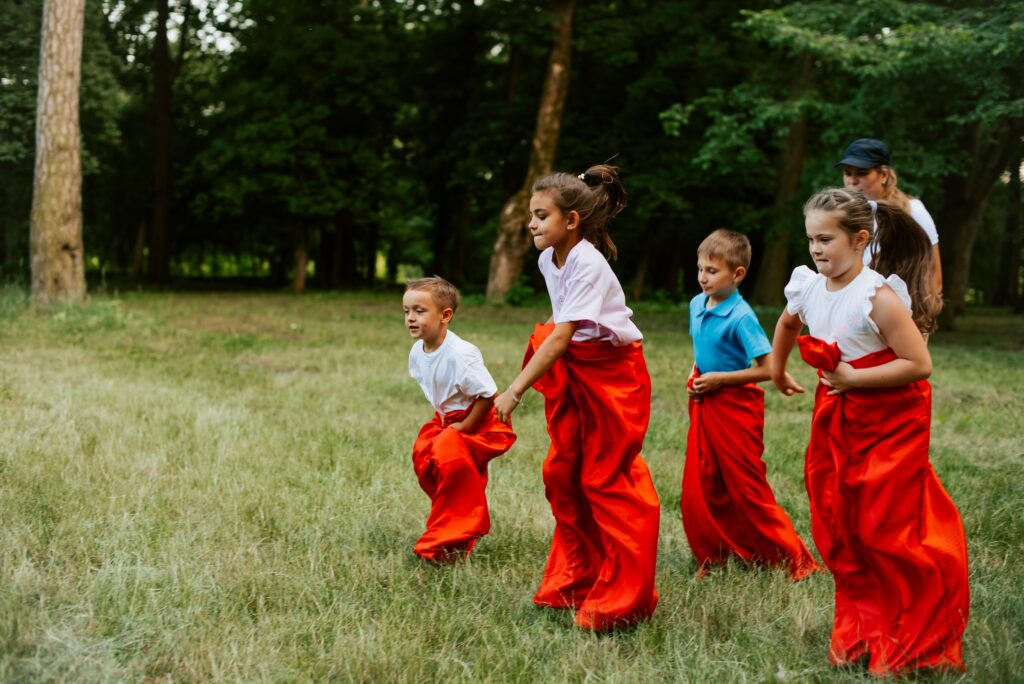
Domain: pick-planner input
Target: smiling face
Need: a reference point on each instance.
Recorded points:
(836, 253)
(869, 181)
(551, 227)
(717, 280)
(425, 319)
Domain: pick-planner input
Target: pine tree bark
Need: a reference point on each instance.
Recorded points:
(56, 249)
(513, 239)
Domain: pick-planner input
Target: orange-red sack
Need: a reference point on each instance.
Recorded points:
(884, 524)
(728, 507)
(605, 546)
(452, 469)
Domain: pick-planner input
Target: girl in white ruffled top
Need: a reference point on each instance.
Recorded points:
(884, 525)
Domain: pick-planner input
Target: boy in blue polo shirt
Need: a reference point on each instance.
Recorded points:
(727, 504)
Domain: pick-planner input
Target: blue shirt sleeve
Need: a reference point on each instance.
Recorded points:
(752, 337)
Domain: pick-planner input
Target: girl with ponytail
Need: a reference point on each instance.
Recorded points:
(588, 362)
(883, 523)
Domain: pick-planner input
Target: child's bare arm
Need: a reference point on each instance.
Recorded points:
(476, 414)
(550, 351)
(901, 334)
(786, 331)
(709, 382)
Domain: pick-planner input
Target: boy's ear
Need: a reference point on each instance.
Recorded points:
(740, 273)
(446, 314)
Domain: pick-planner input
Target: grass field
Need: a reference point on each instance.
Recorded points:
(217, 487)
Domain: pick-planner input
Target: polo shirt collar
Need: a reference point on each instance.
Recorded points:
(724, 308)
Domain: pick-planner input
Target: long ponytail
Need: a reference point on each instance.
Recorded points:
(903, 248)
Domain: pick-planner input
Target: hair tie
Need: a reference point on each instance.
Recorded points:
(583, 176)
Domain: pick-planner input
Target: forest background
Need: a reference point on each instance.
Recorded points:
(343, 144)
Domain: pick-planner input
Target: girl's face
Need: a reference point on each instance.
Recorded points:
(869, 181)
(549, 226)
(835, 251)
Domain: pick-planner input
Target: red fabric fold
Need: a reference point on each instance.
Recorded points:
(886, 528)
(452, 469)
(605, 545)
(818, 353)
(728, 507)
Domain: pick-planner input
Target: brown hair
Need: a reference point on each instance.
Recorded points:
(902, 248)
(596, 195)
(444, 293)
(732, 246)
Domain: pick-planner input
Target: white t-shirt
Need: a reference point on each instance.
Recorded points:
(923, 218)
(453, 376)
(586, 290)
(844, 316)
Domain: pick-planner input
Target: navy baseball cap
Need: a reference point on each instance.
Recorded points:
(866, 153)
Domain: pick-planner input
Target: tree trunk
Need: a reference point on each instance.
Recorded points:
(460, 247)
(138, 252)
(965, 199)
(1008, 292)
(159, 253)
(777, 250)
(301, 260)
(58, 268)
(513, 239)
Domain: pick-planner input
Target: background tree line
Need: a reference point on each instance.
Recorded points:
(356, 141)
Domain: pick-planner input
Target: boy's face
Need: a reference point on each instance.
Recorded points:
(425, 319)
(717, 280)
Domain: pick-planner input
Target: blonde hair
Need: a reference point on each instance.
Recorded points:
(891, 193)
(444, 293)
(732, 246)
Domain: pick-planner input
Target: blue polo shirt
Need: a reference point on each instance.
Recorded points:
(727, 337)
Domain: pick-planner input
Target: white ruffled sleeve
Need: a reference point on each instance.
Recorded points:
(896, 284)
(796, 287)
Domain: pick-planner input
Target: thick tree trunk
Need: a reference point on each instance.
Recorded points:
(775, 256)
(965, 199)
(513, 239)
(159, 251)
(460, 248)
(1008, 293)
(58, 268)
(301, 260)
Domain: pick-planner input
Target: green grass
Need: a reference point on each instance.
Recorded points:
(218, 487)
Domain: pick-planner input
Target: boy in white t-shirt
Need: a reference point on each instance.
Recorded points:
(452, 449)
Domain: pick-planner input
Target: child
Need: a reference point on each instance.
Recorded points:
(881, 519)
(588, 363)
(727, 504)
(452, 450)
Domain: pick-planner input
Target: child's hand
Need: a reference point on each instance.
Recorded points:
(788, 385)
(840, 379)
(707, 383)
(504, 405)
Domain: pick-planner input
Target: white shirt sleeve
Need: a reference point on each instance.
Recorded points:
(924, 219)
(474, 379)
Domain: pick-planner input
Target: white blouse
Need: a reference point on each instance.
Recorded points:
(843, 316)
(586, 290)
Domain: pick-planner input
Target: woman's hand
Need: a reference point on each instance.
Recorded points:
(505, 404)
(840, 379)
(787, 384)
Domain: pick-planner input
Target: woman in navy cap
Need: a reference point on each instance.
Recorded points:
(866, 167)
